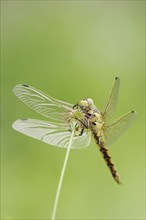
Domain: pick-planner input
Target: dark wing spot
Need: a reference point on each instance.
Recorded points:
(116, 78)
(25, 85)
(133, 112)
(24, 119)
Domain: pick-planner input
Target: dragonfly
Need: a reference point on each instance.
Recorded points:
(84, 117)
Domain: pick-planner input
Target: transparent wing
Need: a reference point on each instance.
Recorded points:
(53, 134)
(114, 130)
(111, 102)
(42, 103)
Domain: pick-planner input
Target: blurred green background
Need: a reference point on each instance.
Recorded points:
(72, 50)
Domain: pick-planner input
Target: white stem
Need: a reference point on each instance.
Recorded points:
(61, 177)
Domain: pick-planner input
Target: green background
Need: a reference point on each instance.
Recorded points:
(72, 50)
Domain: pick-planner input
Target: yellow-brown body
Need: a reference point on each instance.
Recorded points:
(92, 119)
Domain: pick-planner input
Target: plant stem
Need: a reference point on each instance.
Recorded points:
(61, 177)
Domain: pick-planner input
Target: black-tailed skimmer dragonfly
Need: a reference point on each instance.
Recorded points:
(83, 117)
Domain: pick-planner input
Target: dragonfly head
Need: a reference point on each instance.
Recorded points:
(86, 103)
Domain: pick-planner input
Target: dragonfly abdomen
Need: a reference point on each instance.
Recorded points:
(105, 153)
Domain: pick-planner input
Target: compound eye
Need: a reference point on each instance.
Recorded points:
(90, 102)
(83, 103)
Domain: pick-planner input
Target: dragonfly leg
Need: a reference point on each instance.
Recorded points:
(82, 131)
(84, 123)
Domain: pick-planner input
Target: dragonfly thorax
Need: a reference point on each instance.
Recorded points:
(87, 107)
(86, 116)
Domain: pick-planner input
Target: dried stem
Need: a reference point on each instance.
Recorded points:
(61, 177)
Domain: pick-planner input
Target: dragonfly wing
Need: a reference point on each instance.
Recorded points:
(53, 134)
(114, 130)
(42, 103)
(111, 102)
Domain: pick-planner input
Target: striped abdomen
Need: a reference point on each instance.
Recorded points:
(104, 151)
